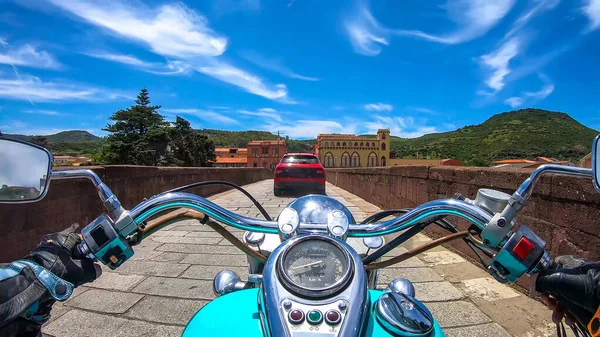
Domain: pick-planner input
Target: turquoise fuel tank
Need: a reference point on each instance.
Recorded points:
(237, 314)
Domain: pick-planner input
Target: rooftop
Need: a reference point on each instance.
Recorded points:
(226, 160)
(267, 142)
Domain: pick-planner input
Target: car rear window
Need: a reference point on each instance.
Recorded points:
(300, 159)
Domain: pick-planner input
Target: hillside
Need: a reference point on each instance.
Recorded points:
(526, 133)
(64, 136)
(74, 142)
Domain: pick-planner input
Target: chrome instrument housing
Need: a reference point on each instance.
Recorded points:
(274, 295)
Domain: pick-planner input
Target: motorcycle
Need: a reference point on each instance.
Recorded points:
(309, 273)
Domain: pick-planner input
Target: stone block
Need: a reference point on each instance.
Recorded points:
(77, 323)
(174, 287)
(209, 272)
(441, 257)
(168, 257)
(115, 281)
(112, 302)
(484, 330)
(437, 292)
(165, 310)
(153, 268)
(457, 313)
(199, 249)
(457, 272)
(487, 289)
(173, 233)
(185, 239)
(386, 275)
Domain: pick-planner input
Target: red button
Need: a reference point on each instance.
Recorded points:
(523, 248)
(296, 316)
(332, 317)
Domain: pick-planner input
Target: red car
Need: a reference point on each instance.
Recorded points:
(299, 171)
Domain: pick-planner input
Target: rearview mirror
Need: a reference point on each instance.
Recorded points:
(596, 162)
(25, 171)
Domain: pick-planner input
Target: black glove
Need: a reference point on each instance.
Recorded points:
(57, 254)
(575, 284)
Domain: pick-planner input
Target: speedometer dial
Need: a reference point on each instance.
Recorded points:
(315, 266)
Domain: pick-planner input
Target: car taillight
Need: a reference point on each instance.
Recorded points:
(320, 172)
(278, 172)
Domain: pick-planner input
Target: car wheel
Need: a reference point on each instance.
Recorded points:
(276, 192)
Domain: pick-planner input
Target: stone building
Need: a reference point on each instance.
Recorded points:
(345, 150)
(266, 153)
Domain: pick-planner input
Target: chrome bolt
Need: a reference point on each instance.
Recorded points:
(287, 304)
(342, 305)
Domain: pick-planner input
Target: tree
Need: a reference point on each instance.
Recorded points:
(189, 147)
(139, 135)
(40, 140)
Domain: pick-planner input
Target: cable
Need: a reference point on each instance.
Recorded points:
(220, 182)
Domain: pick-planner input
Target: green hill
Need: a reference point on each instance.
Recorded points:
(526, 133)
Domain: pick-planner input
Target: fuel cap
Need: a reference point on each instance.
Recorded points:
(401, 315)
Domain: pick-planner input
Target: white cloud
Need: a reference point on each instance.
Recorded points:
(170, 30)
(365, 33)
(498, 61)
(311, 128)
(45, 112)
(425, 110)
(405, 127)
(530, 97)
(275, 65)
(592, 11)
(514, 102)
(32, 89)
(474, 18)
(266, 113)
(536, 8)
(27, 56)
(251, 83)
(378, 107)
(206, 115)
(170, 68)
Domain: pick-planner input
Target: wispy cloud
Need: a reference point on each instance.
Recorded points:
(473, 19)
(535, 8)
(27, 56)
(275, 65)
(30, 88)
(378, 107)
(592, 11)
(497, 63)
(366, 34)
(251, 83)
(405, 127)
(528, 97)
(45, 112)
(206, 115)
(171, 30)
(267, 113)
(170, 68)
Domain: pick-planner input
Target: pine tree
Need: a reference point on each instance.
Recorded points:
(189, 147)
(40, 140)
(139, 135)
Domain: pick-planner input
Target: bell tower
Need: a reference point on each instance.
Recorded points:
(383, 135)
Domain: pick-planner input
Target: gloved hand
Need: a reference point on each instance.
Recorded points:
(574, 288)
(25, 303)
(57, 253)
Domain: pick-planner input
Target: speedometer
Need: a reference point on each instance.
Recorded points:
(315, 267)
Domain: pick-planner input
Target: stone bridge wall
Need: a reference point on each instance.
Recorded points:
(564, 210)
(70, 201)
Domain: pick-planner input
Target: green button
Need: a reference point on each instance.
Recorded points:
(315, 317)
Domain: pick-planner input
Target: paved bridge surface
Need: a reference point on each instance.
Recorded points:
(170, 278)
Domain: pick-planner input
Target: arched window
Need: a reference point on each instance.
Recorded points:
(273, 166)
(362, 144)
(345, 160)
(338, 144)
(383, 136)
(382, 161)
(329, 160)
(355, 160)
(373, 144)
(372, 160)
(383, 146)
(264, 164)
(326, 144)
(344, 144)
(355, 144)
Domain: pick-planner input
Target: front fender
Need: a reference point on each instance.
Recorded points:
(237, 314)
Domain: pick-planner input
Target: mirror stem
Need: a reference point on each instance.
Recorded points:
(109, 199)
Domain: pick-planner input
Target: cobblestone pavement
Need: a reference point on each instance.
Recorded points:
(170, 278)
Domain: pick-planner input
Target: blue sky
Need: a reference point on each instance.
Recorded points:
(297, 66)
